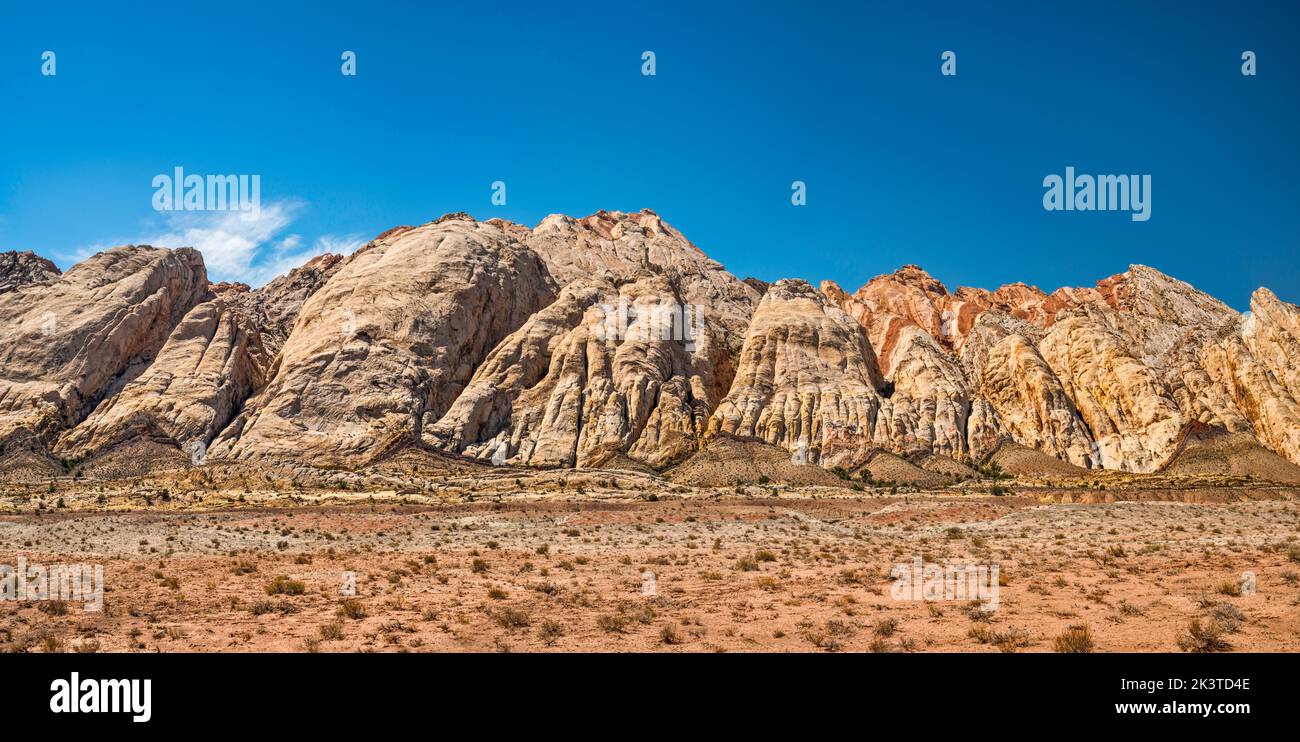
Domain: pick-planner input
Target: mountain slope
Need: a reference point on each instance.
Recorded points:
(613, 338)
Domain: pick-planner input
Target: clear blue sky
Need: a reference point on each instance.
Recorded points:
(902, 165)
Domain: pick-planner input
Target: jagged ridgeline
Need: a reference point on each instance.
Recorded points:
(613, 341)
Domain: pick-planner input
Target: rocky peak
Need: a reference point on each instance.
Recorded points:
(22, 268)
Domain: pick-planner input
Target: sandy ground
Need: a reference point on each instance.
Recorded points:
(730, 574)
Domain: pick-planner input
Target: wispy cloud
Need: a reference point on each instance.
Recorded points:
(235, 245)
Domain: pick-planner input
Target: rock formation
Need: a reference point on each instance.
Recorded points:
(613, 338)
(73, 341)
(22, 268)
(631, 359)
(389, 342)
(199, 379)
(807, 379)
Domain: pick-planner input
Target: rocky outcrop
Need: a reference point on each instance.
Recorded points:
(929, 401)
(1031, 405)
(619, 246)
(1129, 411)
(612, 338)
(23, 268)
(73, 341)
(630, 360)
(200, 377)
(1255, 369)
(389, 342)
(807, 379)
(603, 369)
(273, 309)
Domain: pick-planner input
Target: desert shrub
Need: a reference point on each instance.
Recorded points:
(1075, 640)
(510, 618)
(613, 623)
(669, 634)
(352, 608)
(282, 585)
(1201, 638)
(550, 632)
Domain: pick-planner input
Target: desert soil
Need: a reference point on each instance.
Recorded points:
(732, 574)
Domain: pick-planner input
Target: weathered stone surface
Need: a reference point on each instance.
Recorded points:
(1031, 404)
(199, 379)
(504, 343)
(1129, 411)
(807, 379)
(930, 401)
(1256, 369)
(630, 360)
(273, 309)
(73, 341)
(23, 268)
(389, 342)
(570, 386)
(619, 246)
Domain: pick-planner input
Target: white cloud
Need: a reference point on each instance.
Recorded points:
(238, 246)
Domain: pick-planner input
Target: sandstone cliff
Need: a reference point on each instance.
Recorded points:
(72, 341)
(613, 338)
(386, 345)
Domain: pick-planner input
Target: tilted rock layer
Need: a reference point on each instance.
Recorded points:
(389, 342)
(614, 338)
(71, 342)
(632, 357)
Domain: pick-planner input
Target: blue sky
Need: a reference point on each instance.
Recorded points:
(902, 165)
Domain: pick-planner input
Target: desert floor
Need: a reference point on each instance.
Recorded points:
(730, 574)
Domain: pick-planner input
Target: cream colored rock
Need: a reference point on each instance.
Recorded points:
(630, 360)
(618, 246)
(603, 369)
(389, 342)
(75, 340)
(1129, 411)
(1257, 365)
(1032, 406)
(930, 398)
(201, 376)
(807, 379)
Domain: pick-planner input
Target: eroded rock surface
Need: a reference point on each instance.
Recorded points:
(388, 343)
(73, 341)
(23, 268)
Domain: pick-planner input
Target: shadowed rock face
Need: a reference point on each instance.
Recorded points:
(389, 342)
(209, 365)
(632, 358)
(23, 268)
(614, 338)
(75, 340)
(273, 309)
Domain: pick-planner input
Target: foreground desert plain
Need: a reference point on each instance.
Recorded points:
(449, 556)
